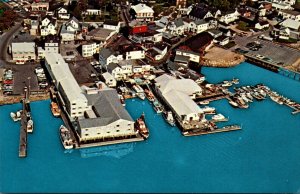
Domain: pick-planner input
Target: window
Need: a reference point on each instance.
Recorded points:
(108, 132)
(73, 103)
(118, 125)
(86, 129)
(86, 134)
(117, 130)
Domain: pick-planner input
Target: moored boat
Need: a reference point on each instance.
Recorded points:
(232, 103)
(219, 117)
(30, 126)
(168, 116)
(65, 137)
(141, 127)
(16, 116)
(208, 110)
(55, 109)
(157, 106)
(205, 102)
(149, 95)
(139, 92)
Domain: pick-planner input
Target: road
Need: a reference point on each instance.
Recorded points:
(4, 41)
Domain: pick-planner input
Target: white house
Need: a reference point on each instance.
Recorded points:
(109, 80)
(229, 17)
(112, 25)
(157, 52)
(143, 12)
(107, 56)
(198, 26)
(193, 56)
(48, 26)
(89, 49)
(92, 12)
(62, 13)
(281, 6)
(176, 27)
(134, 54)
(290, 14)
(66, 35)
(262, 25)
(73, 24)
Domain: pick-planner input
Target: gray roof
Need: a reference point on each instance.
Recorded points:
(182, 59)
(110, 67)
(178, 22)
(105, 53)
(199, 22)
(107, 107)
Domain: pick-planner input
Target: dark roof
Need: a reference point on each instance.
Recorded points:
(262, 23)
(196, 43)
(198, 11)
(51, 38)
(111, 22)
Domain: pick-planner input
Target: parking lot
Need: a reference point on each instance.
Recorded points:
(275, 52)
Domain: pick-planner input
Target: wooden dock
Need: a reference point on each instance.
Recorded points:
(23, 133)
(201, 132)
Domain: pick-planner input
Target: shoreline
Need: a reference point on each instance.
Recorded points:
(9, 100)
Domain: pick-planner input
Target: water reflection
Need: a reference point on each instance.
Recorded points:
(115, 151)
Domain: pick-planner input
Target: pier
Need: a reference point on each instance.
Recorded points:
(23, 128)
(219, 130)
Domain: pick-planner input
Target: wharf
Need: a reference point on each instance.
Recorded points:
(23, 133)
(201, 132)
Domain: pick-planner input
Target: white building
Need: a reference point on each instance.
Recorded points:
(177, 27)
(229, 17)
(143, 12)
(92, 12)
(72, 24)
(48, 26)
(62, 13)
(74, 101)
(89, 49)
(106, 56)
(66, 35)
(178, 95)
(109, 79)
(290, 14)
(281, 6)
(292, 24)
(23, 51)
(112, 25)
(262, 25)
(199, 26)
(193, 56)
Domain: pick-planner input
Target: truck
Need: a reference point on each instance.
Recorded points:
(265, 37)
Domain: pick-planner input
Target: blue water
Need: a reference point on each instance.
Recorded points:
(262, 157)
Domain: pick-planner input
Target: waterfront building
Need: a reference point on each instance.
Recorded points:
(191, 55)
(106, 119)
(74, 101)
(143, 12)
(177, 94)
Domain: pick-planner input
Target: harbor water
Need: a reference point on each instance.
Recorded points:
(262, 157)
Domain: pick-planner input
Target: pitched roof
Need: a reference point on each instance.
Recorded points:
(140, 8)
(108, 108)
(293, 24)
(105, 53)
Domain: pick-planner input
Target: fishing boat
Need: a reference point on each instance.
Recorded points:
(149, 95)
(168, 116)
(141, 126)
(205, 102)
(219, 118)
(233, 104)
(157, 106)
(65, 137)
(55, 109)
(16, 116)
(208, 110)
(30, 126)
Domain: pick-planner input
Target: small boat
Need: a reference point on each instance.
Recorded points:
(169, 118)
(249, 96)
(205, 102)
(208, 110)
(30, 126)
(16, 116)
(219, 117)
(226, 84)
(55, 109)
(157, 106)
(141, 127)
(232, 103)
(276, 99)
(65, 137)
(235, 81)
(122, 100)
(149, 95)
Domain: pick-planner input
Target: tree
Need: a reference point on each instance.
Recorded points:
(242, 26)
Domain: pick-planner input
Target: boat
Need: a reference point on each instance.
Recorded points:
(149, 95)
(276, 99)
(208, 110)
(219, 117)
(168, 116)
(139, 92)
(245, 98)
(122, 99)
(30, 126)
(241, 103)
(16, 116)
(157, 106)
(235, 81)
(226, 84)
(232, 103)
(249, 96)
(65, 137)
(141, 127)
(55, 109)
(205, 102)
